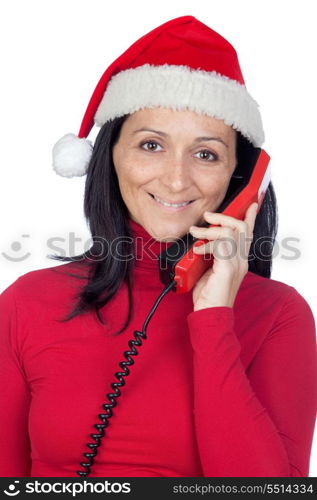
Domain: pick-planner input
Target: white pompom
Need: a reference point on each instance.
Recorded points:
(71, 156)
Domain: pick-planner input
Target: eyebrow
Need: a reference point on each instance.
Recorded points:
(164, 134)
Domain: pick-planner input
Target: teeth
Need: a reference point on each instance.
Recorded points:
(175, 205)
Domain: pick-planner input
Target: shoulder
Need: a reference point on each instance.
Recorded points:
(47, 284)
(265, 285)
(268, 288)
(288, 303)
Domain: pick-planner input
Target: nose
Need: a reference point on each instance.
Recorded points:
(176, 176)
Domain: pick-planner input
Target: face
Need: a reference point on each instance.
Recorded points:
(178, 157)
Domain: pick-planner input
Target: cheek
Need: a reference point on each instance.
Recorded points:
(214, 187)
(133, 172)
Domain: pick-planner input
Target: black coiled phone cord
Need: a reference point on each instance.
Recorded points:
(104, 417)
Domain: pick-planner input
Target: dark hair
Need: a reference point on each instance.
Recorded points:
(107, 217)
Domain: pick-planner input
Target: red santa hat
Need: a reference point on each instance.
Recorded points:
(181, 64)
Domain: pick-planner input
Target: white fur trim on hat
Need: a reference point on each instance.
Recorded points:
(71, 155)
(179, 87)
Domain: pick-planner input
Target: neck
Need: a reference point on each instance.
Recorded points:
(146, 248)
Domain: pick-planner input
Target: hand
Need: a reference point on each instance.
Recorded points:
(230, 245)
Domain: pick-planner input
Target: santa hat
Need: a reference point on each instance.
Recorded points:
(181, 64)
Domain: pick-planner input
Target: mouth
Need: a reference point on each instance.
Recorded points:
(170, 206)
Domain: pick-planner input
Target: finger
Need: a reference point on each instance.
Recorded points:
(225, 220)
(204, 248)
(213, 232)
(250, 216)
(221, 249)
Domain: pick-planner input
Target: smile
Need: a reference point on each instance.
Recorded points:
(171, 206)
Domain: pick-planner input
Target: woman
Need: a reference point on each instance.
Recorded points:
(225, 384)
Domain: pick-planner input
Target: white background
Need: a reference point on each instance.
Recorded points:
(53, 54)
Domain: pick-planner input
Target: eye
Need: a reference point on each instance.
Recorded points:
(206, 153)
(149, 142)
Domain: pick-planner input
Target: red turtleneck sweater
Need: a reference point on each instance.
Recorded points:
(217, 392)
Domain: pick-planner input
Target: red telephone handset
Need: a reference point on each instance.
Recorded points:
(182, 264)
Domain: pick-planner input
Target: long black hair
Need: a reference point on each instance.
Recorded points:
(107, 217)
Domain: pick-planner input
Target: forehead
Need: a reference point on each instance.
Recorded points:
(172, 121)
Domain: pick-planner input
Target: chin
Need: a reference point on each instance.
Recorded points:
(169, 233)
